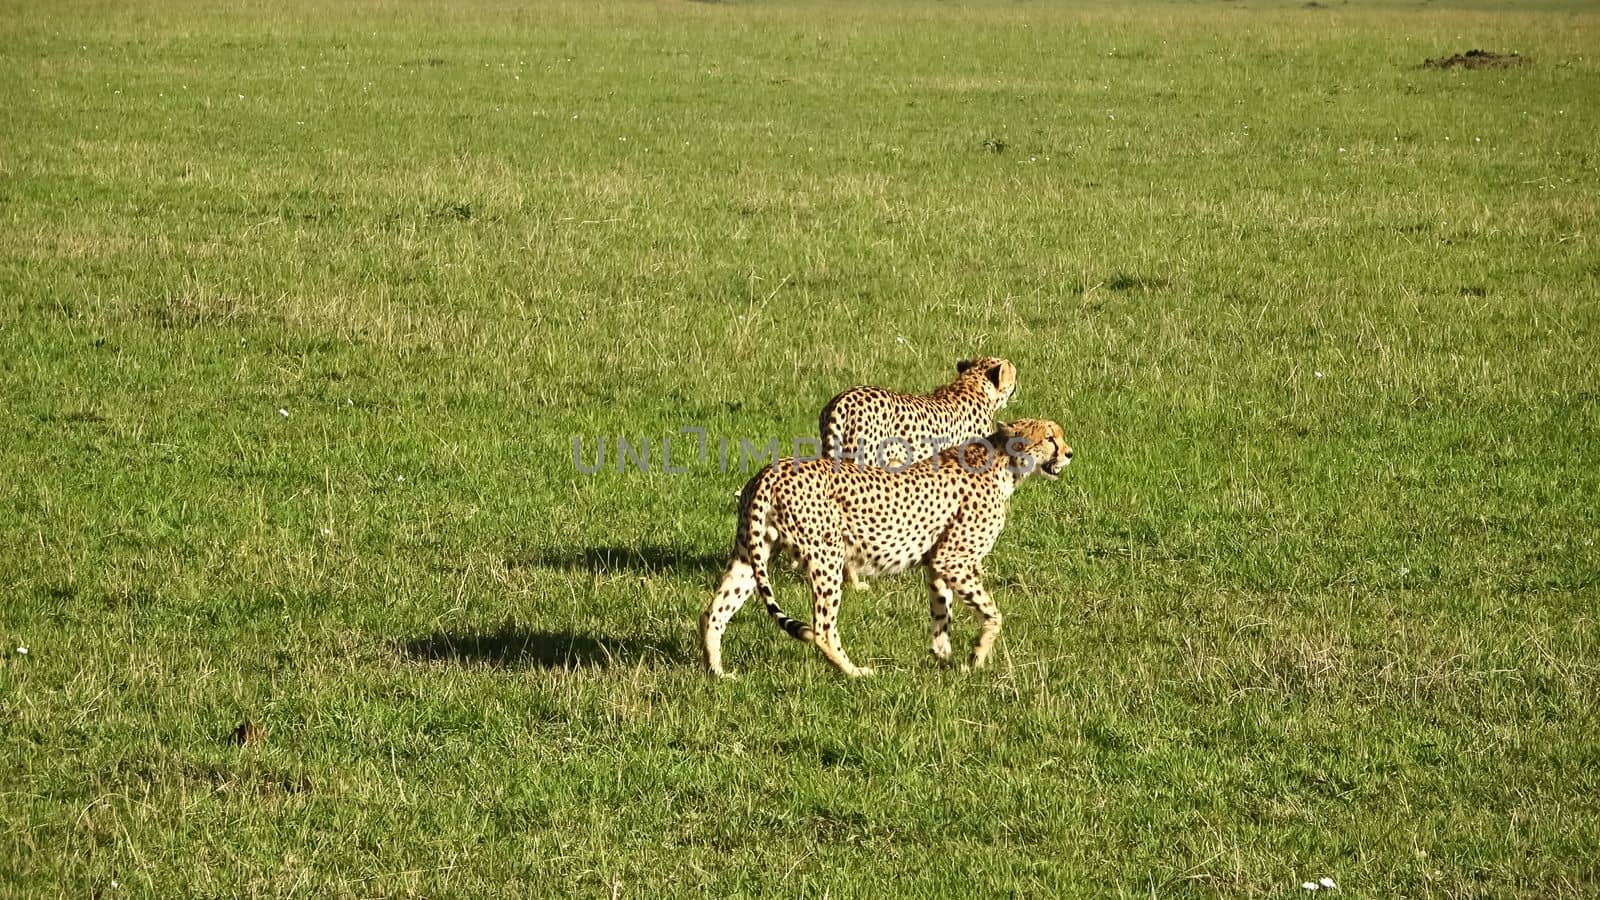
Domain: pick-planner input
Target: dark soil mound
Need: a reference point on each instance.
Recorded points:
(1477, 59)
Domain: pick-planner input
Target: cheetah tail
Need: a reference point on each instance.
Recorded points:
(791, 627)
(753, 538)
(830, 427)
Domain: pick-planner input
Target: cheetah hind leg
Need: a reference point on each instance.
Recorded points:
(738, 583)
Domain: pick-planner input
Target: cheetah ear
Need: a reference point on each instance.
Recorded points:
(994, 375)
(962, 365)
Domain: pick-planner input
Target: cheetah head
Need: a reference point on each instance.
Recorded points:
(1035, 446)
(998, 376)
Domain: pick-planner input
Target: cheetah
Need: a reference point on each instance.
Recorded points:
(882, 427)
(944, 512)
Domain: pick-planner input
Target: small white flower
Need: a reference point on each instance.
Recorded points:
(349, 402)
(283, 412)
(23, 650)
(1327, 882)
(399, 478)
(1310, 885)
(326, 532)
(1319, 374)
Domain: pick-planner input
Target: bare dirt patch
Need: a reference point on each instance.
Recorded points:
(1477, 59)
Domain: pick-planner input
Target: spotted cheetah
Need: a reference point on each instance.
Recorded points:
(883, 427)
(877, 426)
(944, 512)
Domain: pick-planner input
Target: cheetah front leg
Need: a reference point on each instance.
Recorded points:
(966, 584)
(857, 583)
(826, 571)
(939, 618)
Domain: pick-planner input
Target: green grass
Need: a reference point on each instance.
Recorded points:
(1317, 596)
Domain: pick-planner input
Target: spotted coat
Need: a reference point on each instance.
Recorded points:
(877, 426)
(883, 427)
(944, 513)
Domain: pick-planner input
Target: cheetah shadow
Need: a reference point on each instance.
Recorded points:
(514, 647)
(511, 646)
(643, 559)
(663, 559)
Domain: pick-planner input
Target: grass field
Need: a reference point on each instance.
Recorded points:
(301, 311)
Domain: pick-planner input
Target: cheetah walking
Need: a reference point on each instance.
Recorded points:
(944, 512)
(877, 426)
